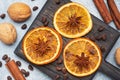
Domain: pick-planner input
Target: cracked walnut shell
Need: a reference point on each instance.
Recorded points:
(19, 11)
(7, 33)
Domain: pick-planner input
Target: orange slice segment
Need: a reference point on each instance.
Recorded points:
(72, 20)
(82, 57)
(42, 45)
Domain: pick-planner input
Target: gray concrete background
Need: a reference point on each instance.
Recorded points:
(36, 74)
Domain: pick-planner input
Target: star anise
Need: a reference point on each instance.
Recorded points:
(73, 21)
(74, 24)
(82, 61)
(41, 47)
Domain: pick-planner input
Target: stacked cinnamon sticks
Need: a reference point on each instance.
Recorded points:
(108, 15)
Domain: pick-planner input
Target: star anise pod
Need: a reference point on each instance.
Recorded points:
(41, 47)
(82, 61)
(74, 24)
(73, 21)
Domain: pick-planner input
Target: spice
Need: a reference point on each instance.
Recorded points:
(43, 19)
(58, 68)
(27, 74)
(59, 61)
(64, 71)
(101, 28)
(23, 71)
(57, 77)
(2, 16)
(103, 10)
(57, 1)
(5, 57)
(102, 48)
(115, 21)
(74, 23)
(102, 37)
(18, 63)
(35, 8)
(9, 78)
(46, 23)
(13, 68)
(114, 12)
(82, 61)
(30, 67)
(0, 64)
(24, 26)
(73, 20)
(41, 47)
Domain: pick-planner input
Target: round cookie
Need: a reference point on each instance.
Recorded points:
(19, 11)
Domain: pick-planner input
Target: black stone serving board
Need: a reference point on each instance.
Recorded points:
(50, 69)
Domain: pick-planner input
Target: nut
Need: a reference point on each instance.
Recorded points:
(7, 33)
(117, 56)
(19, 11)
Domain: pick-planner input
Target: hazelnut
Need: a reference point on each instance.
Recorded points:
(7, 33)
(19, 11)
(117, 56)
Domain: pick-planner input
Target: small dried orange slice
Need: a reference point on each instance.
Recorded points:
(42, 45)
(72, 20)
(82, 57)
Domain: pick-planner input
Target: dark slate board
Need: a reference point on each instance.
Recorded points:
(50, 69)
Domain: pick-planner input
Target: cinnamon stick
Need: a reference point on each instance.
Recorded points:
(114, 9)
(13, 68)
(114, 12)
(103, 10)
(115, 21)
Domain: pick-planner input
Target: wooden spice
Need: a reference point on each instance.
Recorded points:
(13, 68)
(114, 12)
(103, 10)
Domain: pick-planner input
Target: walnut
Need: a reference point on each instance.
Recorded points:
(7, 33)
(19, 11)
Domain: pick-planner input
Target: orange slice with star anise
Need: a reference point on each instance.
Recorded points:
(42, 45)
(82, 57)
(72, 20)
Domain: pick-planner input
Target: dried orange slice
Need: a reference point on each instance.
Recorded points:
(72, 20)
(42, 45)
(82, 57)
